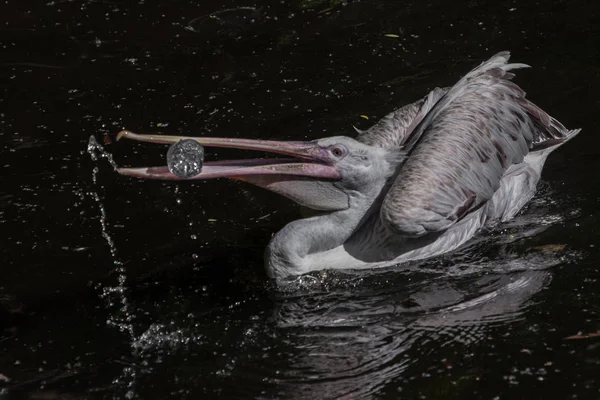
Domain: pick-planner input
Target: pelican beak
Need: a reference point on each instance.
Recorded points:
(306, 159)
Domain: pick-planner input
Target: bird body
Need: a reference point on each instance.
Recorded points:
(373, 245)
(419, 183)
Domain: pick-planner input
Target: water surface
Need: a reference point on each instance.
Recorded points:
(117, 288)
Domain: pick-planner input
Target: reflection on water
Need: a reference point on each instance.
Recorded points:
(350, 339)
(353, 343)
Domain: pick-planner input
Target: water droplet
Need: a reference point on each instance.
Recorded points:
(185, 158)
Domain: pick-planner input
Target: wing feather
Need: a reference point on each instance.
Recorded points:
(462, 148)
(393, 130)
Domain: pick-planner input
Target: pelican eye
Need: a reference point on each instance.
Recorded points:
(338, 150)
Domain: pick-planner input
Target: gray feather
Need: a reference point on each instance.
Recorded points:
(393, 130)
(462, 148)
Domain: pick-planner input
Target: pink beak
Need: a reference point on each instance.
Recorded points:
(308, 159)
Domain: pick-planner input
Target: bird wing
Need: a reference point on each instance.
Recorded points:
(459, 152)
(393, 130)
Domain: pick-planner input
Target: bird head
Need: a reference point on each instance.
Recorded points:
(320, 174)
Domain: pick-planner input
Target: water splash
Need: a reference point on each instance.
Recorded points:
(97, 151)
(160, 336)
(145, 343)
(117, 301)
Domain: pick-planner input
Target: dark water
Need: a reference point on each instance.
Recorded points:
(117, 288)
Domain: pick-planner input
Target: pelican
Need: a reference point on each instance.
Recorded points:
(419, 183)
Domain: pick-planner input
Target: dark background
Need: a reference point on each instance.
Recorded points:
(117, 288)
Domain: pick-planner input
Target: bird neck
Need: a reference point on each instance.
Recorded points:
(297, 248)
